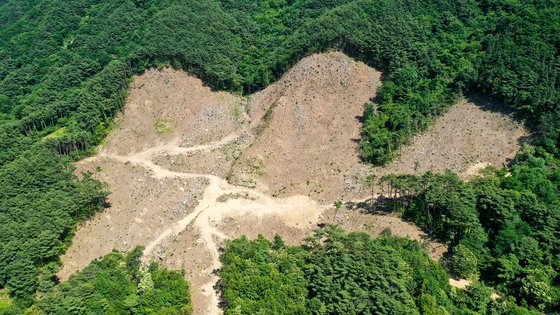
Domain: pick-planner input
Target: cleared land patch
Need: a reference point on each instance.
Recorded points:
(227, 165)
(308, 130)
(468, 138)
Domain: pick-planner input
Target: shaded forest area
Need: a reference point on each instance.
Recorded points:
(65, 67)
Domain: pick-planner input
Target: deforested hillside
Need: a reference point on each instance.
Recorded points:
(71, 89)
(167, 160)
(471, 136)
(307, 129)
(189, 168)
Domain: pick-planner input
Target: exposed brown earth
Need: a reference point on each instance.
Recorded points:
(308, 143)
(190, 111)
(288, 151)
(465, 140)
(142, 207)
(464, 283)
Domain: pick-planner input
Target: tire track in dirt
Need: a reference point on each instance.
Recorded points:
(169, 189)
(209, 204)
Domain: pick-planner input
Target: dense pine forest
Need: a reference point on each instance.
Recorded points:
(64, 71)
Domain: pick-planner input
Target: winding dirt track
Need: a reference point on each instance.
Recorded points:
(219, 175)
(258, 202)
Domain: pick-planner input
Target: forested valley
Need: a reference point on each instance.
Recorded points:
(65, 67)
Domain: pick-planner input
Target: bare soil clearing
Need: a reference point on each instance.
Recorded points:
(464, 283)
(189, 109)
(465, 140)
(189, 167)
(310, 128)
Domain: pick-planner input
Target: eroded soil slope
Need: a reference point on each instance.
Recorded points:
(167, 104)
(309, 130)
(469, 137)
(189, 167)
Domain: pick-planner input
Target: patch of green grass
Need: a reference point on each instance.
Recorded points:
(55, 134)
(256, 167)
(237, 114)
(6, 303)
(163, 127)
(265, 121)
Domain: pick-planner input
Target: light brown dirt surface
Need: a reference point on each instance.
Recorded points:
(308, 125)
(468, 138)
(142, 207)
(189, 167)
(180, 104)
(464, 283)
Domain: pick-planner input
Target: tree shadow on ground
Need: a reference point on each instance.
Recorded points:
(492, 104)
(380, 205)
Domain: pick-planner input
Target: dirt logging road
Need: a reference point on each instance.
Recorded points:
(189, 167)
(209, 206)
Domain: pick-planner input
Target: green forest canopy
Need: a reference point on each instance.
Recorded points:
(335, 272)
(503, 228)
(65, 67)
(114, 284)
